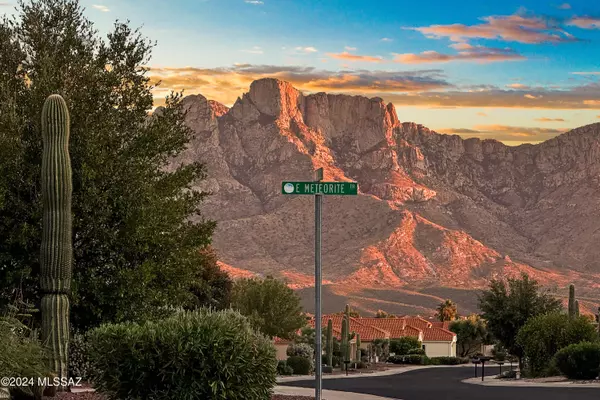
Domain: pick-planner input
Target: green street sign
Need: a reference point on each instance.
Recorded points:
(326, 188)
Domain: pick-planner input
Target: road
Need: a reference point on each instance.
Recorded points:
(445, 383)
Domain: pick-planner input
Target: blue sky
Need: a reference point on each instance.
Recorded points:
(518, 71)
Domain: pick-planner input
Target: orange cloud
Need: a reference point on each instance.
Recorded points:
(511, 28)
(517, 86)
(355, 57)
(544, 119)
(420, 88)
(506, 133)
(585, 22)
(467, 53)
(482, 114)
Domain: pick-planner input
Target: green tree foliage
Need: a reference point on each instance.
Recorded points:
(471, 333)
(542, 336)
(270, 305)
(383, 314)
(447, 311)
(403, 345)
(507, 306)
(137, 226)
(579, 361)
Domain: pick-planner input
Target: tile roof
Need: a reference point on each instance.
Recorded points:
(366, 331)
(397, 327)
(439, 324)
(278, 340)
(434, 334)
(417, 322)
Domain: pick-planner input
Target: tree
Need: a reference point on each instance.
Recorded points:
(446, 311)
(471, 333)
(383, 314)
(271, 306)
(403, 345)
(542, 336)
(507, 305)
(137, 225)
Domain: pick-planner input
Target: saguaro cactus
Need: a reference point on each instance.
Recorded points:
(571, 301)
(329, 343)
(345, 346)
(358, 351)
(56, 255)
(577, 308)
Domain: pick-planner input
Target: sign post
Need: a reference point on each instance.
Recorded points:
(319, 189)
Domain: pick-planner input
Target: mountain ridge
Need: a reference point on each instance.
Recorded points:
(434, 210)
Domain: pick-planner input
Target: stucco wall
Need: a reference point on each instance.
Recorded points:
(281, 350)
(440, 349)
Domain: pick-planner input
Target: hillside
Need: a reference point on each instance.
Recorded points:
(437, 216)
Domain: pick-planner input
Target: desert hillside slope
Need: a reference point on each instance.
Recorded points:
(437, 216)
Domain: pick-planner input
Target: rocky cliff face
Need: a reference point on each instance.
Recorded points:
(434, 211)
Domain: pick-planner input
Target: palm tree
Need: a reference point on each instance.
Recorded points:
(446, 311)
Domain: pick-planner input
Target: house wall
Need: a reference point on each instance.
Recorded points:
(440, 349)
(281, 350)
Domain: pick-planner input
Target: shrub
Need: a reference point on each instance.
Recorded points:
(362, 365)
(403, 345)
(300, 365)
(336, 361)
(579, 361)
(542, 336)
(327, 369)
(445, 360)
(79, 363)
(192, 355)
(415, 359)
(420, 352)
(283, 368)
(300, 350)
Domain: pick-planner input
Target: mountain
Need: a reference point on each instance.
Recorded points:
(436, 217)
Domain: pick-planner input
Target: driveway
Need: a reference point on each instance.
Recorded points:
(445, 383)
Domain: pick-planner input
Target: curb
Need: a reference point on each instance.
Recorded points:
(327, 394)
(492, 382)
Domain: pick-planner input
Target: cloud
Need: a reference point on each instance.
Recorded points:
(254, 50)
(307, 50)
(254, 2)
(354, 57)
(2, 4)
(585, 22)
(227, 84)
(586, 73)
(482, 114)
(517, 86)
(564, 6)
(544, 119)
(385, 39)
(421, 88)
(350, 48)
(101, 8)
(466, 53)
(511, 28)
(506, 132)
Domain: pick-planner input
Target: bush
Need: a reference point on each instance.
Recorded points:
(79, 363)
(403, 345)
(542, 336)
(327, 369)
(283, 368)
(445, 360)
(420, 352)
(21, 354)
(362, 365)
(300, 365)
(579, 361)
(415, 359)
(192, 355)
(336, 361)
(300, 350)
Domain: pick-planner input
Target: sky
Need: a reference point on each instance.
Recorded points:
(517, 71)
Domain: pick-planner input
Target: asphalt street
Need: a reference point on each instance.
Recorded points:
(445, 384)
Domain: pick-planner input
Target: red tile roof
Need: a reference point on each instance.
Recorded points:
(434, 334)
(366, 331)
(417, 322)
(444, 325)
(278, 340)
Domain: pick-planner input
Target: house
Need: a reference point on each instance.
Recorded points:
(437, 340)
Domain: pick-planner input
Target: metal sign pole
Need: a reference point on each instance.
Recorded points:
(318, 330)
